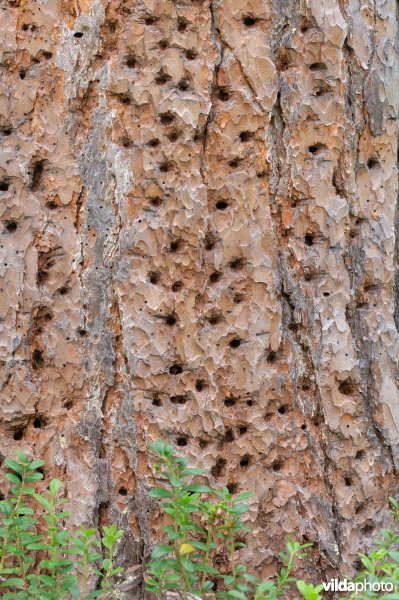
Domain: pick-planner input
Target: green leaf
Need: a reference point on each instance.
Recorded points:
(55, 485)
(13, 582)
(14, 465)
(36, 464)
(160, 493)
(13, 478)
(243, 496)
(161, 550)
(198, 487)
(43, 501)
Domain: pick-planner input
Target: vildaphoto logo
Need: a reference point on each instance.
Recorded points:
(344, 585)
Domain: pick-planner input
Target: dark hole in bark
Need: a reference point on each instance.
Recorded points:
(303, 426)
(131, 61)
(68, 404)
(191, 54)
(243, 429)
(272, 357)
(154, 143)
(11, 226)
(174, 135)
(218, 467)
(162, 77)
(38, 423)
(245, 136)
(215, 276)
(165, 167)
(82, 332)
(6, 130)
(182, 24)
(229, 402)
(177, 286)
(318, 66)
(150, 20)
(167, 118)
(37, 359)
(228, 437)
(181, 441)
(112, 26)
(4, 185)
(346, 387)
(372, 163)
(200, 384)
(234, 163)
(63, 290)
(282, 410)
(232, 487)
(51, 205)
(154, 277)
(250, 402)
(245, 461)
(156, 401)
(78, 34)
(309, 239)
(163, 44)
(316, 148)
(122, 491)
(235, 343)
(348, 481)
(214, 319)
(175, 245)
(223, 94)
(238, 298)
(179, 399)
(203, 443)
(221, 205)
(183, 85)
(171, 320)
(209, 242)
(18, 435)
(22, 74)
(237, 263)
(37, 173)
(156, 201)
(360, 454)
(249, 20)
(277, 465)
(175, 369)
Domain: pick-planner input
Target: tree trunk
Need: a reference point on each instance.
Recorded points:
(199, 212)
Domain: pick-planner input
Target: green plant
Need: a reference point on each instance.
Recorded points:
(36, 549)
(205, 520)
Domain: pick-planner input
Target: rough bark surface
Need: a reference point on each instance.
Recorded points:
(198, 203)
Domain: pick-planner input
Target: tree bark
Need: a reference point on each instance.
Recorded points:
(200, 243)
